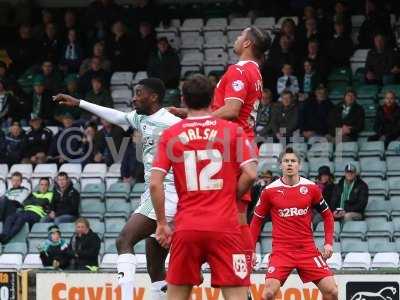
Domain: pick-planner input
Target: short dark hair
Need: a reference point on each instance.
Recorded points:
(289, 150)
(155, 85)
(44, 178)
(261, 41)
(17, 174)
(62, 174)
(287, 92)
(197, 92)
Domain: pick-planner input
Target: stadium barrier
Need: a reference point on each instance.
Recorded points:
(48, 285)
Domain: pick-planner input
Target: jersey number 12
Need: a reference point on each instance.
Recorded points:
(202, 181)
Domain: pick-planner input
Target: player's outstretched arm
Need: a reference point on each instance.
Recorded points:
(230, 111)
(180, 112)
(110, 115)
(247, 178)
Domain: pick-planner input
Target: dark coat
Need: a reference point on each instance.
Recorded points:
(340, 58)
(315, 115)
(315, 81)
(166, 67)
(58, 252)
(67, 202)
(38, 141)
(47, 106)
(358, 199)
(282, 117)
(85, 250)
(355, 119)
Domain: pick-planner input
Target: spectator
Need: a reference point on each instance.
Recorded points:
(315, 56)
(8, 106)
(309, 80)
(347, 118)
(71, 83)
(146, 44)
(2, 147)
(142, 11)
(340, 40)
(64, 207)
(99, 52)
(84, 247)
(15, 144)
(40, 29)
(325, 182)
(264, 179)
(9, 79)
(350, 196)
(38, 140)
(381, 66)
(14, 197)
(287, 82)
(98, 95)
(85, 81)
(122, 54)
(70, 22)
(315, 114)
(50, 44)
(72, 53)
(53, 80)
(376, 20)
(288, 29)
(310, 32)
(55, 250)
(263, 118)
(87, 146)
(34, 208)
(107, 136)
(387, 120)
(105, 12)
(342, 15)
(42, 104)
(284, 118)
(164, 64)
(132, 169)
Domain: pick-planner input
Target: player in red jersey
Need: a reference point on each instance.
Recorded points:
(206, 154)
(290, 201)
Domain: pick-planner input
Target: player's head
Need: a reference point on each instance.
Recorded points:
(253, 41)
(197, 92)
(148, 94)
(290, 162)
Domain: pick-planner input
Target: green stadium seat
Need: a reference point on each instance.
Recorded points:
(92, 208)
(316, 162)
(97, 227)
(16, 247)
(354, 229)
(395, 205)
(319, 230)
(21, 235)
(340, 75)
(113, 227)
(349, 245)
(320, 150)
(367, 91)
(269, 164)
(372, 149)
(172, 98)
(379, 228)
(393, 166)
(347, 149)
(378, 209)
(389, 87)
(39, 230)
(372, 167)
(93, 190)
(376, 186)
(267, 230)
(67, 229)
(376, 245)
(116, 207)
(396, 228)
(118, 190)
(369, 107)
(393, 149)
(34, 244)
(358, 77)
(140, 248)
(266, 245)
(135, 203)
(109, 245)
(137, 190)
(337, 90)
(394, 185)
(304, 169)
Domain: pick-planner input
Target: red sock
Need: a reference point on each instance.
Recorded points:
(248, 245)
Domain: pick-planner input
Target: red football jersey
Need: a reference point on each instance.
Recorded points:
(290, 208)
(206, 154)
(242, 82)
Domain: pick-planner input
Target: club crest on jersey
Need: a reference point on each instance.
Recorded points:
(237, 85)
(271, 269)
(303, 190)
(239, 265)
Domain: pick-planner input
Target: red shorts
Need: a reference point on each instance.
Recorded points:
(222, 251)
(309, 264)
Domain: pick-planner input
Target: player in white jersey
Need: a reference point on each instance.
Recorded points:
(150, 119)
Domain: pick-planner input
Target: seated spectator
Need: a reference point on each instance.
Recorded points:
(347, 118)
(55, 250)
(64, 207)
(122, 53)
(50, 44)
(7, 78)
(70, 22)
(84, 247)
(132, 170)
(34, 208)
(387, 120)
(146, 44)
(284, 118)
(350, 196)
(98, 95)
(39, 30)
(15, 144)
(72, 53)
(315, 114)
(164, 64)
(2, 147)
(99, 52)
(320, 62)
(42, 103)
(288, 29)
(5, 103)
(108, 139)
(340, 48)
(325, 182)
(38, 140)
(14, 197)
(53, 81)
(381, 66)
(71, 83)
(342, 15)
(287, 82)
(263, 118)
(85, 81)
(310, 32)
(308, 81)
(264, 179)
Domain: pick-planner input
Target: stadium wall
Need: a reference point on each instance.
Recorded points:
(50, 285)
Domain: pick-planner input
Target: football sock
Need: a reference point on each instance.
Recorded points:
(126, 266)
(158, 290)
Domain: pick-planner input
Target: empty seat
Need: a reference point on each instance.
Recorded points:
(340, 75)
(395, 206)
(21, 236)
(216, 24)
(32, 261)
(270, 164)
(357, 261)
(11, 260)
(118, 190)
(319, 230)
(94, 170)
(376, 186)
(113, 226)
(121, 78)
(137, 190)
(378, 209)
(394, 185)
(367, 92)
(265, 22)
(316, 162)
(192, 24)
(122, 96)
(379, 228)
(266, 245)
(320, 150)
(109, 245)
(232, 36)
(191, 40)
(347, 149)
(380, 244)
(360, 55)
(393, 166)
(117, 207)
(239, 23)
(270, 150)
(267, 230)
(109, 261)
(92, 208)
(24, 169)
(39, 230)
(216, 56)
(3, 171)
(16, 247)
(372, 149)
(385, 260)
(92, 188)
(35, 244)
(3, 187)
(372, 166)
(194, 58)
(72, 169)
(335, 261)
(45, 170)
(354, 229)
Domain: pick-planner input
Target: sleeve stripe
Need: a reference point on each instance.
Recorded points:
(257, 215)
(248, 161)
(159, 169)
(234, 98)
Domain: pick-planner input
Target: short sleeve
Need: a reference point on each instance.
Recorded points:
(263, 206)
(134, 119)
(162, 161)
(236, 87)
(245, 151)
(318, 200)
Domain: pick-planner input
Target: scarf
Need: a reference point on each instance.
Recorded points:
(49, 243)
(346, 110)
(347, 188)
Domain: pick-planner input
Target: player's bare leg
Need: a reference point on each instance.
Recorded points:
(156, 256)
(328, 288)
(136, 229)
(235, 293)
(272, 287)
(179, 292)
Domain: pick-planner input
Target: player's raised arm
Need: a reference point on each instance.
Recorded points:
(110, 115)
(261, 211)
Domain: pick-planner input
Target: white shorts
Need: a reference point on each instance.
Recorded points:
(146, 206)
